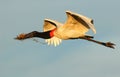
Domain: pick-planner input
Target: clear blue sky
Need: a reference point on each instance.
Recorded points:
(76, 58)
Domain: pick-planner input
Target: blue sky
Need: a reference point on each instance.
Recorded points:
(72, 58)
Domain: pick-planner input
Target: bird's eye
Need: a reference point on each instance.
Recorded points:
(92, 21)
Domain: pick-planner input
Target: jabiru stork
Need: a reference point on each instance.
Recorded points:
(75, 27)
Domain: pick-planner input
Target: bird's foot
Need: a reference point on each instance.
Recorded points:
(20, 36)
(109, 44)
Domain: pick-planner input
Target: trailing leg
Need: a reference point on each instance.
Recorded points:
(107, 44)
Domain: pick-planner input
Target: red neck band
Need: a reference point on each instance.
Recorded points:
(52, 32)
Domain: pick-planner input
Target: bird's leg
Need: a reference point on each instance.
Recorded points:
(107, 44)
(87, 36)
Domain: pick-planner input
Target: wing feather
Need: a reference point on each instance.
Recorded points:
(50, 25)
(81, 22)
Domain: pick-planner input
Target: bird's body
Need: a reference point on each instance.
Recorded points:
(75, 27)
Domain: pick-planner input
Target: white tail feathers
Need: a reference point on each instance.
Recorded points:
(53, 41)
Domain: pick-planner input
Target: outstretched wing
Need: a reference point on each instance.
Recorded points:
(51, 25)
(80, 22)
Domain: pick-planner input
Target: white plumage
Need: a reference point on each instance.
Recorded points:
(50, 25)
(75, 26)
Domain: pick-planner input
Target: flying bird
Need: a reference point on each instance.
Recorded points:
(75, 27)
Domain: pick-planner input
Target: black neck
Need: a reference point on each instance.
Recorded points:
(44, 35)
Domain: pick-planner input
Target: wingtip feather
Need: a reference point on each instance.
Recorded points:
(53, 41)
